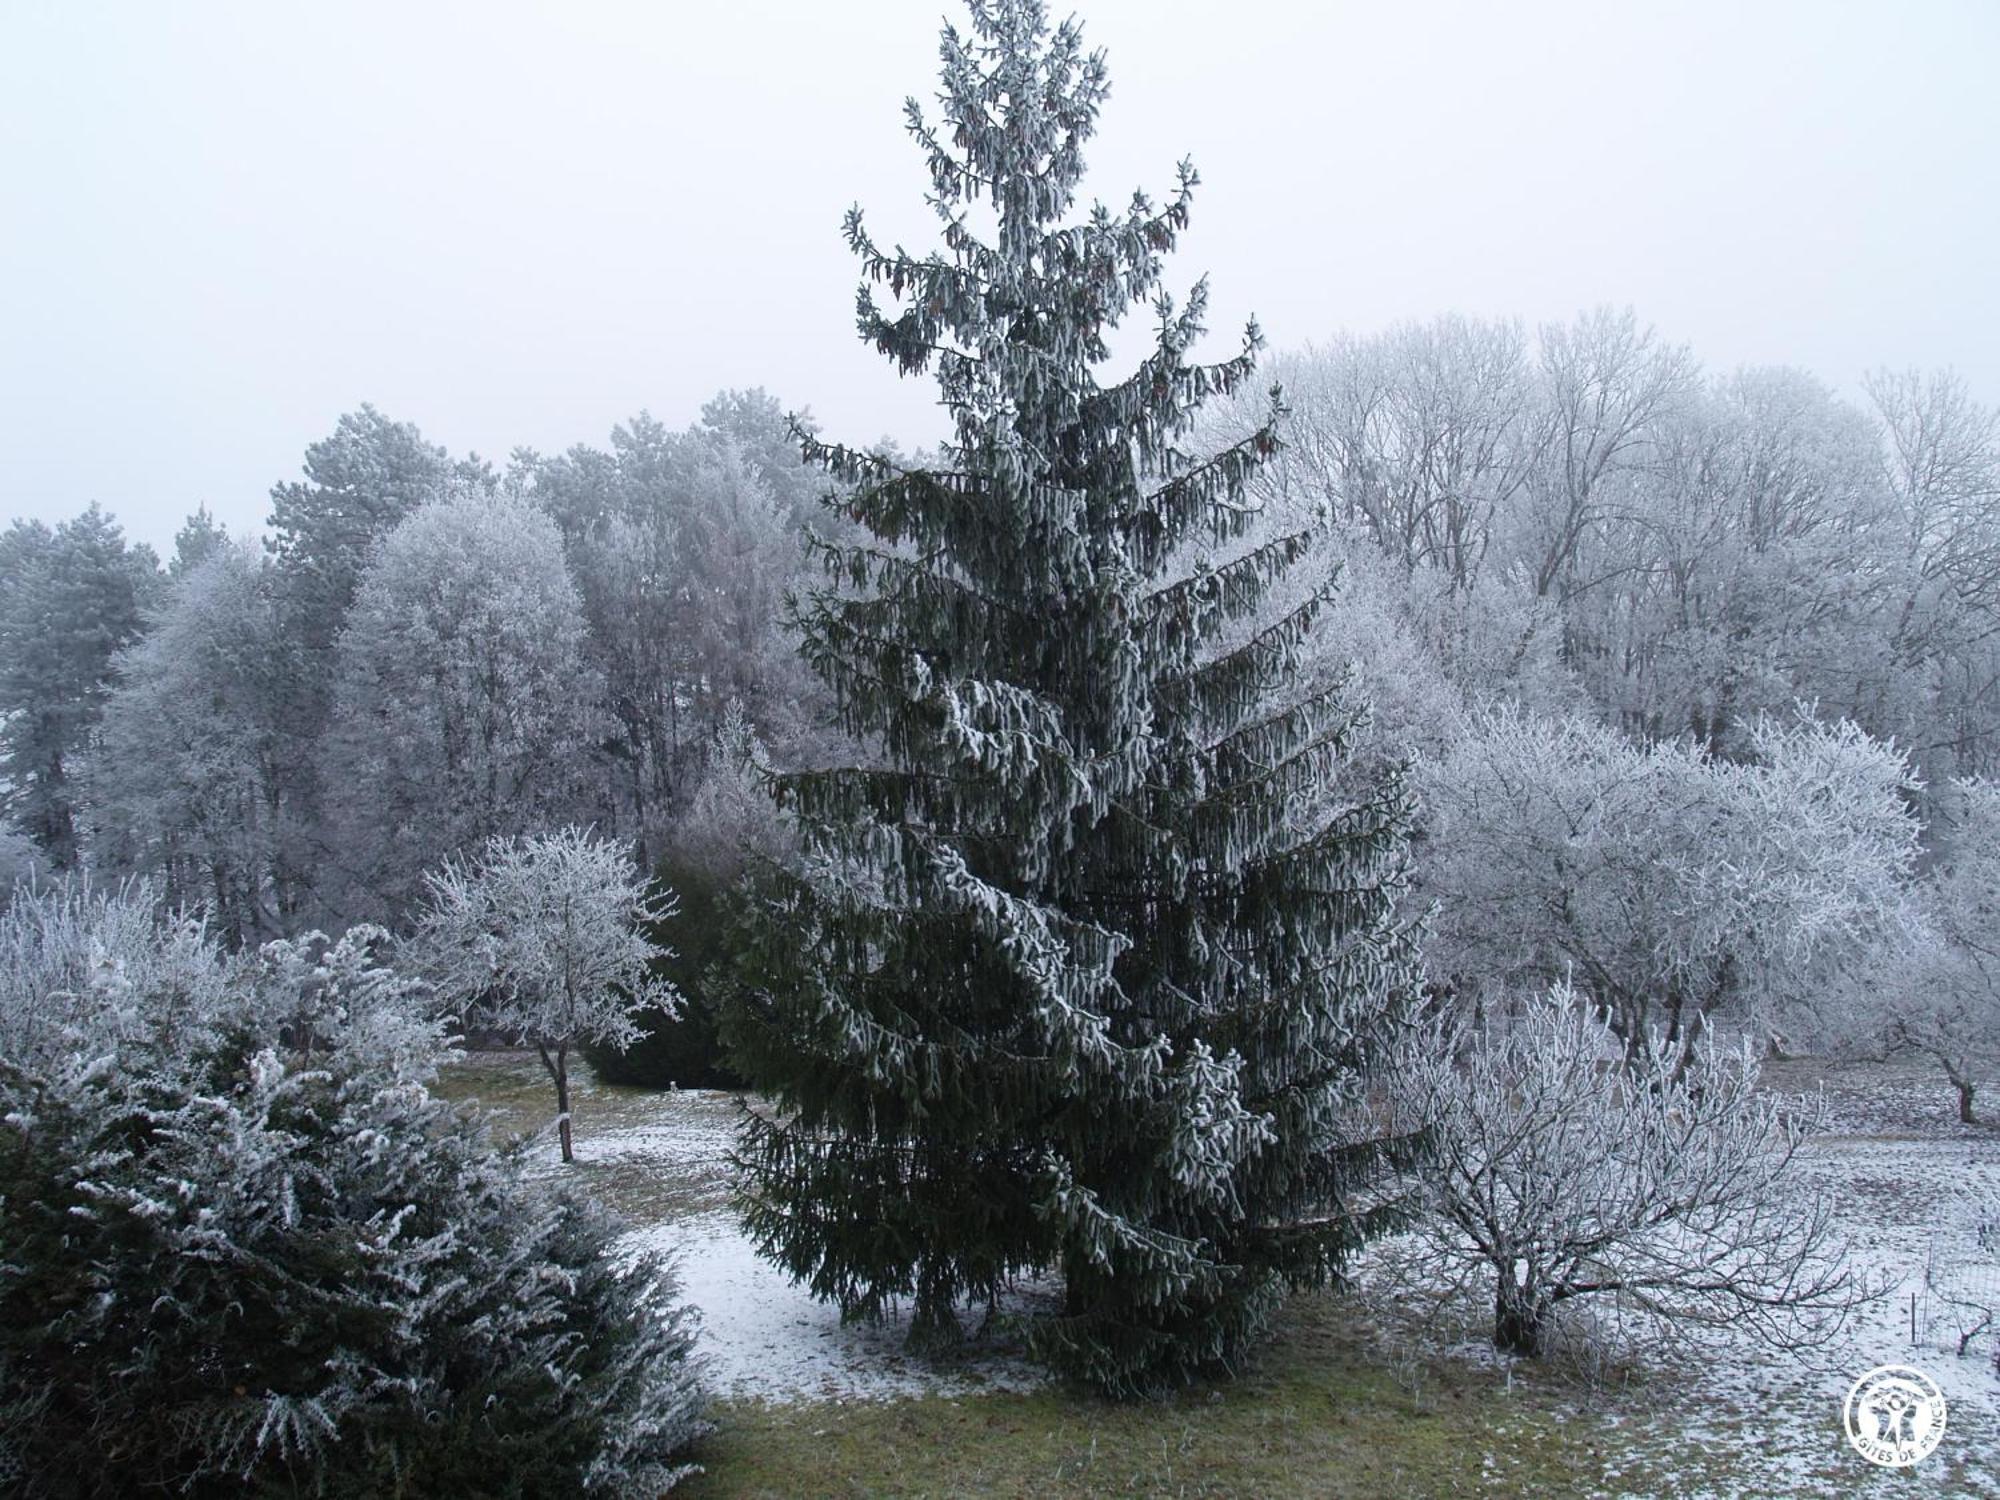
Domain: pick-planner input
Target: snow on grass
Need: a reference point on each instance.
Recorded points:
(1730, 1418)
(765, 1339)
(1776, 1417)
(662, 1159)
(1746, 1420)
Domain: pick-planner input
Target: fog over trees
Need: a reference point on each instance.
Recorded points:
(1217, 820)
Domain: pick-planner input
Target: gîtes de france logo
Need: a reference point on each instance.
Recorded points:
(1895, 1416)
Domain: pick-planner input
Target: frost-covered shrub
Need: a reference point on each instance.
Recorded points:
(257, 1254)
(83, 967)
(1567, 1165)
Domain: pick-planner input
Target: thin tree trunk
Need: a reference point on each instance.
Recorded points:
(558, 1066)
(562, 1101)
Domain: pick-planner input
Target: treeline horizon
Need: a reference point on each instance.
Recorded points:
(418, 652)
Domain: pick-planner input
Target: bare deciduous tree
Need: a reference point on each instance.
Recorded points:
(1561, 1172)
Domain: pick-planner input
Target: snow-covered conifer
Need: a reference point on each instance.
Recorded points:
(256, 1253)
(1073, 981)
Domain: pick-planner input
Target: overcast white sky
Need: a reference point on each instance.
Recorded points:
(223, 225)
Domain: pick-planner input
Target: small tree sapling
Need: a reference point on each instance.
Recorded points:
(544, 938)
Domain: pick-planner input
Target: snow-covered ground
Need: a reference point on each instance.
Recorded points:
(664, 1158)
(1910, 1185)
(765, 1339)
(1731, 1419)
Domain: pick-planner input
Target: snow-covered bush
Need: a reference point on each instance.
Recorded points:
(1668, 881)
(85, 967)
(236, 1261)
(1566, 1164)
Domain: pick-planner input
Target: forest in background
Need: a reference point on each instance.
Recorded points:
(1575, 569)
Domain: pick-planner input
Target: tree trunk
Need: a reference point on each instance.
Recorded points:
(558, 1066)
(1520, 1318)
(1962, 1080)
(562, 1101)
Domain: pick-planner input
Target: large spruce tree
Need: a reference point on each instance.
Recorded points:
(1074, 980)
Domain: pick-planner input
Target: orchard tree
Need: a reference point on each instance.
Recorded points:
(1072, 980)
(1556, 1175)
(464, 706)
(544, 939)
(1671, 884)
(1936, 993)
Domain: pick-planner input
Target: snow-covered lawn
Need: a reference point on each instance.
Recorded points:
(663, 1159)
(1732, 1419)
(1911, 1185)
(765, 1340)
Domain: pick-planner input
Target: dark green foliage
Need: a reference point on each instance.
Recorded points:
(370, 474)
(250, 1271)
(1085, 972)
(706, 938)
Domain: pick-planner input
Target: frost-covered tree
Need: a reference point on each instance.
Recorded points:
(1935, 991)
(1073, 980)
(187, 778)
(1602, 383)
(682, 550)
(201, 537)
(544, 939)
(1668, 882)
(1419, 437)
(1943, 624)
(70, 597)
(359, 483)
(464, 707)
(255, 1254)
(1556, 1174)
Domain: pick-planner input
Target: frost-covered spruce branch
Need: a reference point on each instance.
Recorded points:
(1566, 1164)
(544, 938)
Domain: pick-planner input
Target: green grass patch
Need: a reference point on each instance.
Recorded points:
(520, 1100)
(1316, 1414)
